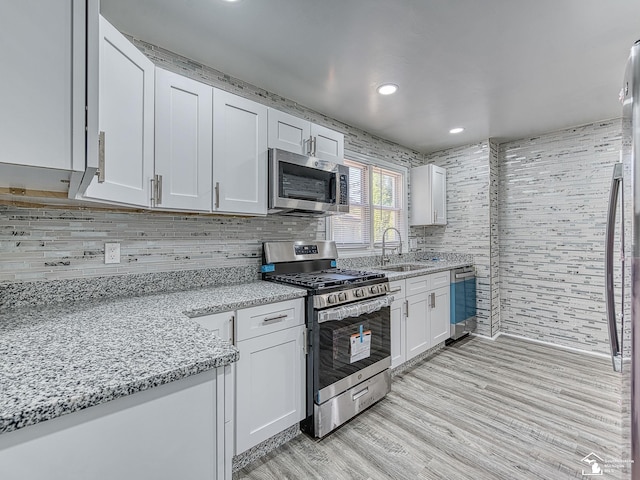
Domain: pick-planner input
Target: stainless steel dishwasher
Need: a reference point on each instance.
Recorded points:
(463, 302)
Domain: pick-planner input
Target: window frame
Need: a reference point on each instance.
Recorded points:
(372, 249)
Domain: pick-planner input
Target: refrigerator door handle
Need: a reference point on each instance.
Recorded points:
(614, 343)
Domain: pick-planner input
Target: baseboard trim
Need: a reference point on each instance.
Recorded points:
(542, 342)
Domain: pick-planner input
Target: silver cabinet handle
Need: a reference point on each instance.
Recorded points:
(395, 290)
(273, 319)
(159, 191)
(433, 300)
(217, 195)
(406, 308)
(315, 146)
(232, 333)
(101, 148)
(156, 190)
(305, 339)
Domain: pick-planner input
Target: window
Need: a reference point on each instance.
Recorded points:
(377, 201)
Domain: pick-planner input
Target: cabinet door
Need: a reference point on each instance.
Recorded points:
(221, 324)
(163, 433)
(439, 315)
(398, 332)
(184, 133)
(269, 386)
(398, 322)
(42, 99)
(418, 334)
(288, 132)
(329, 144)
(125, 88)
(239, 155)
(439, 195)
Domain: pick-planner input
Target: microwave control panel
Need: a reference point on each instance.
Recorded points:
(344, 190)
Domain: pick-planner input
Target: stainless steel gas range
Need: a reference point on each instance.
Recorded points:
(348, 330)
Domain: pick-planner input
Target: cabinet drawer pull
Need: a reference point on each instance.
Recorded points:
(395, 290)
(359, 394)
(273, 319)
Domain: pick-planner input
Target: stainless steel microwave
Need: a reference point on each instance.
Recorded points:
(301, 185)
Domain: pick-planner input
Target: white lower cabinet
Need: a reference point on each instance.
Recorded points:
(419, 315)
(418, 337)
(270, 376)
(440, 307)
(167, 432)
(269, 388)
(398, 323)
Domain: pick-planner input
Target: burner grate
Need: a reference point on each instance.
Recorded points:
(326, 278)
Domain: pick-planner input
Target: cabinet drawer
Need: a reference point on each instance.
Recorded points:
(417, 285)
(440, 279)
(263, 319)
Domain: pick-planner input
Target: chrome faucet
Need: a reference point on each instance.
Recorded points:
(386, 259)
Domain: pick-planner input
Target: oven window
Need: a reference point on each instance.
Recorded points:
(305, 183)
(352, 344)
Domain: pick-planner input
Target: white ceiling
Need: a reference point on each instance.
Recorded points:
(500, 68)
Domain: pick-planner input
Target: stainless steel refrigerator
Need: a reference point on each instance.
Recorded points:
(624, 271)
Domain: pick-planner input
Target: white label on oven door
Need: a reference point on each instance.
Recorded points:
(360, 345)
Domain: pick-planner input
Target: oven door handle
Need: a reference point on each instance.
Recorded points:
(354, 309)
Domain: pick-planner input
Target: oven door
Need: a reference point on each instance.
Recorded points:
(354, 345)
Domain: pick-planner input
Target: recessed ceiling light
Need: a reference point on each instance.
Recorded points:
(387, 89)
(456, 130)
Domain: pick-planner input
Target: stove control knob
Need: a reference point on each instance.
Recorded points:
(359, 292)
(373, 289)
(331, 299)
(342, 296)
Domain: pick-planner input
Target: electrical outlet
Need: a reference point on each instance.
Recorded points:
(413, 243)
(111, 253)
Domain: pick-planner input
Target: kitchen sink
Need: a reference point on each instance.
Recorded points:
(407, 267)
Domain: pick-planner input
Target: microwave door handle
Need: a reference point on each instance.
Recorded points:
(332, 189)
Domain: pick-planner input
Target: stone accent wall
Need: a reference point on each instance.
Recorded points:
(552, 211)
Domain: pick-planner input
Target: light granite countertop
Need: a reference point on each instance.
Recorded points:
(61, 358)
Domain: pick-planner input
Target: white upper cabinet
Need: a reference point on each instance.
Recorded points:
(42, 99)
(428, 195)
(297, 135)
(239, 155)
(184, 143)
(327, 144)
(289, 133)
(126, 116)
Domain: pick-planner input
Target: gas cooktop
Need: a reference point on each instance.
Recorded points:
(326, 278)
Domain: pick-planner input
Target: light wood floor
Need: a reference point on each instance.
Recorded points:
(479, 409)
